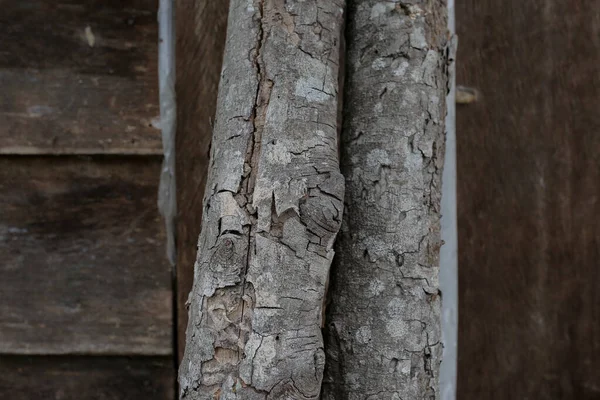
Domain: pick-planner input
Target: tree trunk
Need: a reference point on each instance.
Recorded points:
(272, 207)
(383, 324)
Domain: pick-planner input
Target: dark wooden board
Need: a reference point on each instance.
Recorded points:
(86, 378)
(60, 95)
(83, 265)
(528, 156)
(201, 27)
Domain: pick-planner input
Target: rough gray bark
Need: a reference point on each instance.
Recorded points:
(272, 207)
(383, 324)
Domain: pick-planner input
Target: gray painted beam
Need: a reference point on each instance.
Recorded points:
(449, 251)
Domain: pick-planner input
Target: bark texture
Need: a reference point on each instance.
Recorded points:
(383, 325)
(272, 207)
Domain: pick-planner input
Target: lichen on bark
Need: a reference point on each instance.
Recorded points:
(272, 208)
(383, 323)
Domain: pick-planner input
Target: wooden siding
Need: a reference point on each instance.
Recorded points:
(529, 200)
(83, 262)
(86, 378)
(79, 77)
(86, 292)
(201, 28)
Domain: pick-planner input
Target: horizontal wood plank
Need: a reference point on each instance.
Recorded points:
(79, 77)
(83, 266)
(86, 378)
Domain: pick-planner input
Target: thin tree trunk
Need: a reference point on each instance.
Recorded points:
(272, 207)
(383, 324)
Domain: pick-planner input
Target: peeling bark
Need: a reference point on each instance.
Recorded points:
(383, 324)
(272, 207)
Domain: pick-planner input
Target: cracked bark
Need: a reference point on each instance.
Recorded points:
(272, 207)
(383, 323)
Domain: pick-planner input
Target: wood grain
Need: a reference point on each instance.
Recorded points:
(528, 200)
(79, 77)
(201, 27)
(83, 267)
(86, 378)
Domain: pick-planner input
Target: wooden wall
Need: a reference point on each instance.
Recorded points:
(85, 290)
(201, 30)
(528, 156)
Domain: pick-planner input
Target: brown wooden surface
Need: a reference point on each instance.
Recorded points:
(83, 265)
(86, 378)
(62, 96)
(201, 29)
(528, 200)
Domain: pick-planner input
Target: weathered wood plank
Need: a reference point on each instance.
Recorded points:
(86, 378)
(201, 27)
(78, 76)
(528, 200)
(83, 266)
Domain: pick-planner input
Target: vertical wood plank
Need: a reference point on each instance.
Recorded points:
(201, 27)
(528, 198)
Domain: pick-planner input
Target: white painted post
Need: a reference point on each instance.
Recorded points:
(167, 203)
(449, 251)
